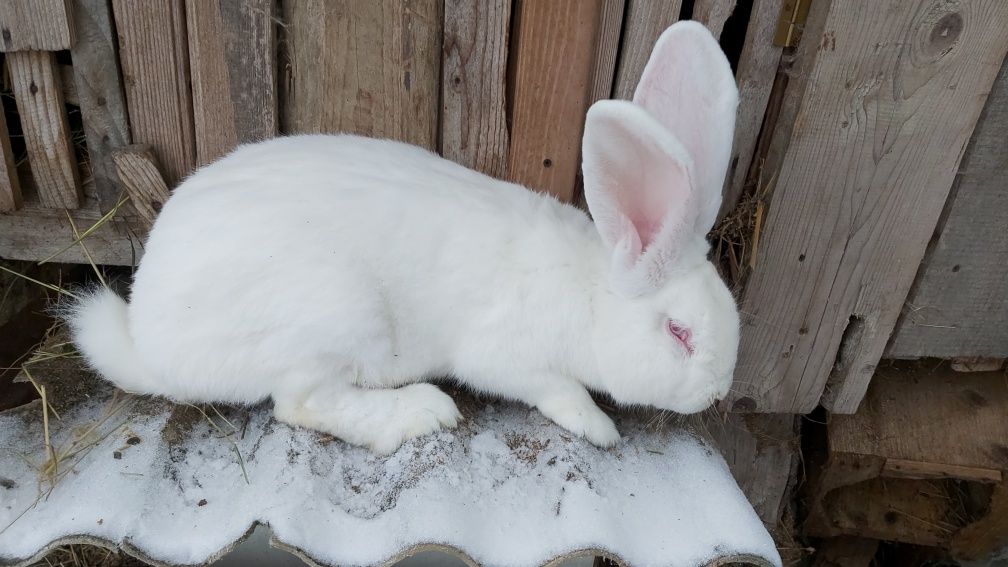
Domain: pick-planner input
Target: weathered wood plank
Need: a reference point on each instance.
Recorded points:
(645, 20)
(137, 167)
(10, 185)
(844, 237)
(43, 116)
(33, 233)
(554, 60)
(99, 93)
(232, 55)
(901, 468)
(760, 451)
(958, 305)
(607, 48)
(155, 66)
(473, 114)
(364, 66)
(714, 14)
(757, 69)
(35, 25)
(936, 416)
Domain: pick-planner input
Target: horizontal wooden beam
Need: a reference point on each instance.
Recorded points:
(33, 233)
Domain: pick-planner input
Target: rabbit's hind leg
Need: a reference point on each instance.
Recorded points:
(379, 419)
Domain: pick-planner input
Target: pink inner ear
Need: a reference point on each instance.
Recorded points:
(689, 87)
(654, 194)
(645, 202)
(638, 186)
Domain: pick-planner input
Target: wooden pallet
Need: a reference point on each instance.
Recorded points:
(922, 462)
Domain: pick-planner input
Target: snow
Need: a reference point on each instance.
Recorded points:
(506, 488)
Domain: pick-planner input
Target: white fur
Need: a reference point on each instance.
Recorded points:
(337, 274)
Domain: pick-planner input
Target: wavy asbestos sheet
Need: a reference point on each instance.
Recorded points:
(166, 483)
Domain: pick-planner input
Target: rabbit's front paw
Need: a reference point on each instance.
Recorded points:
(422, 409)
(577, 413)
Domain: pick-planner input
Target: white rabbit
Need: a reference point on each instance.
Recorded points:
(338, 274)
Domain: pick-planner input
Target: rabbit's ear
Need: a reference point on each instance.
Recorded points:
(637, 181)
(689, 87)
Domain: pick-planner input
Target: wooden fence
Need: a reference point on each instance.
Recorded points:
(848, 168)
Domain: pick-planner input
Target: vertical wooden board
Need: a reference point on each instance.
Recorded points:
(959, 304)
(473, 114)
(757, 69)
(10, 185)
(606, 49)
(364, 66)
(35, 25)
(846, 232)
(714, 14)
(233, 65)
(760, 451)
(645, 20)
(554, 61)
(95, 74)
(43, 115)
(153, 54)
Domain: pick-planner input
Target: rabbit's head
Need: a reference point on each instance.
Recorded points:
(667, 331)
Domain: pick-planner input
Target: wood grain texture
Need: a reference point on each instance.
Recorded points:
(922, 416)
(35, 25)
(606, 49)
(364, 66)
(714, 14)
(760, 451)
(901, 468)
(155, 65)
(43, 116)
(554, 60)
(99, 93)
(645, 20)
(232, 56)
(473, 115)
(958, 306)
(10, 185)
(137, 168)
(33, 233)
(844, 236)
(757, 69)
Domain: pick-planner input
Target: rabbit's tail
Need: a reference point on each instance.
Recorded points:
(100, 330)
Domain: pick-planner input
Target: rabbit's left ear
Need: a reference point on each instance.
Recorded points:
(638, 183)
(688, 86)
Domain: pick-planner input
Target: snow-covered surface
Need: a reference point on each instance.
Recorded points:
(506, 488)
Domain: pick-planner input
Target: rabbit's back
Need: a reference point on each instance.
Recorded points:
(321, 244)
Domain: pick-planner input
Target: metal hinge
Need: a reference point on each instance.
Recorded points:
(791, 22)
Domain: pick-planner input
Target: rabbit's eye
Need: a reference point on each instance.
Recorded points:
(680, 333)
